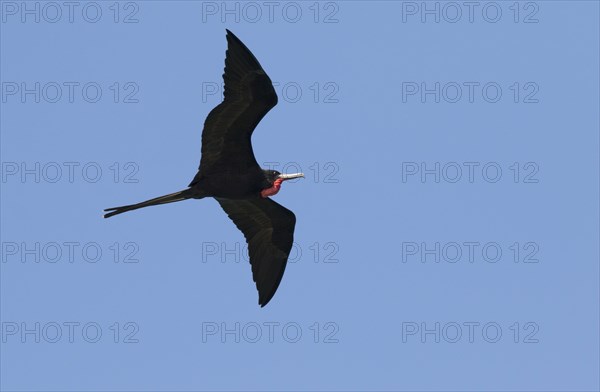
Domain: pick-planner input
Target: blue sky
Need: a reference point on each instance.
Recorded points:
(447, 228)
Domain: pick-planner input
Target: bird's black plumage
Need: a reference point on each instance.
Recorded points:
(269, 231)
(248, 95)
(230, 173)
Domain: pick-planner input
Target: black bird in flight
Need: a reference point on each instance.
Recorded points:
(229, 172)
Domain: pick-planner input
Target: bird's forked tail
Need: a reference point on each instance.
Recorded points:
(170, 198)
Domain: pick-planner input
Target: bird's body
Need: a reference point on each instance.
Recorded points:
(231, 184)
(230, 173)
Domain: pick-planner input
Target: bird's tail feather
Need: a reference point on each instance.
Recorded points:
(170, 198)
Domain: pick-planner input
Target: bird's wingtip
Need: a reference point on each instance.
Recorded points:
(231, 36)
(263, 301)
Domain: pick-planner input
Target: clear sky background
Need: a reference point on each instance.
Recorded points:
(447, 234)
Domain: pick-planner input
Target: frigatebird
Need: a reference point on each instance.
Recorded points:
(229, 172)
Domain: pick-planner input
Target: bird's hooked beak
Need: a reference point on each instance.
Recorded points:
(289, 176)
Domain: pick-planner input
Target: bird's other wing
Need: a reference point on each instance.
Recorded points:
(269, 231)
(248, 95)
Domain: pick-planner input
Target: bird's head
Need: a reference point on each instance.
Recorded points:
(274, 180)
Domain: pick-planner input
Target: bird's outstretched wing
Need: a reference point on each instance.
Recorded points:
(269, 231)
(248, 95)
